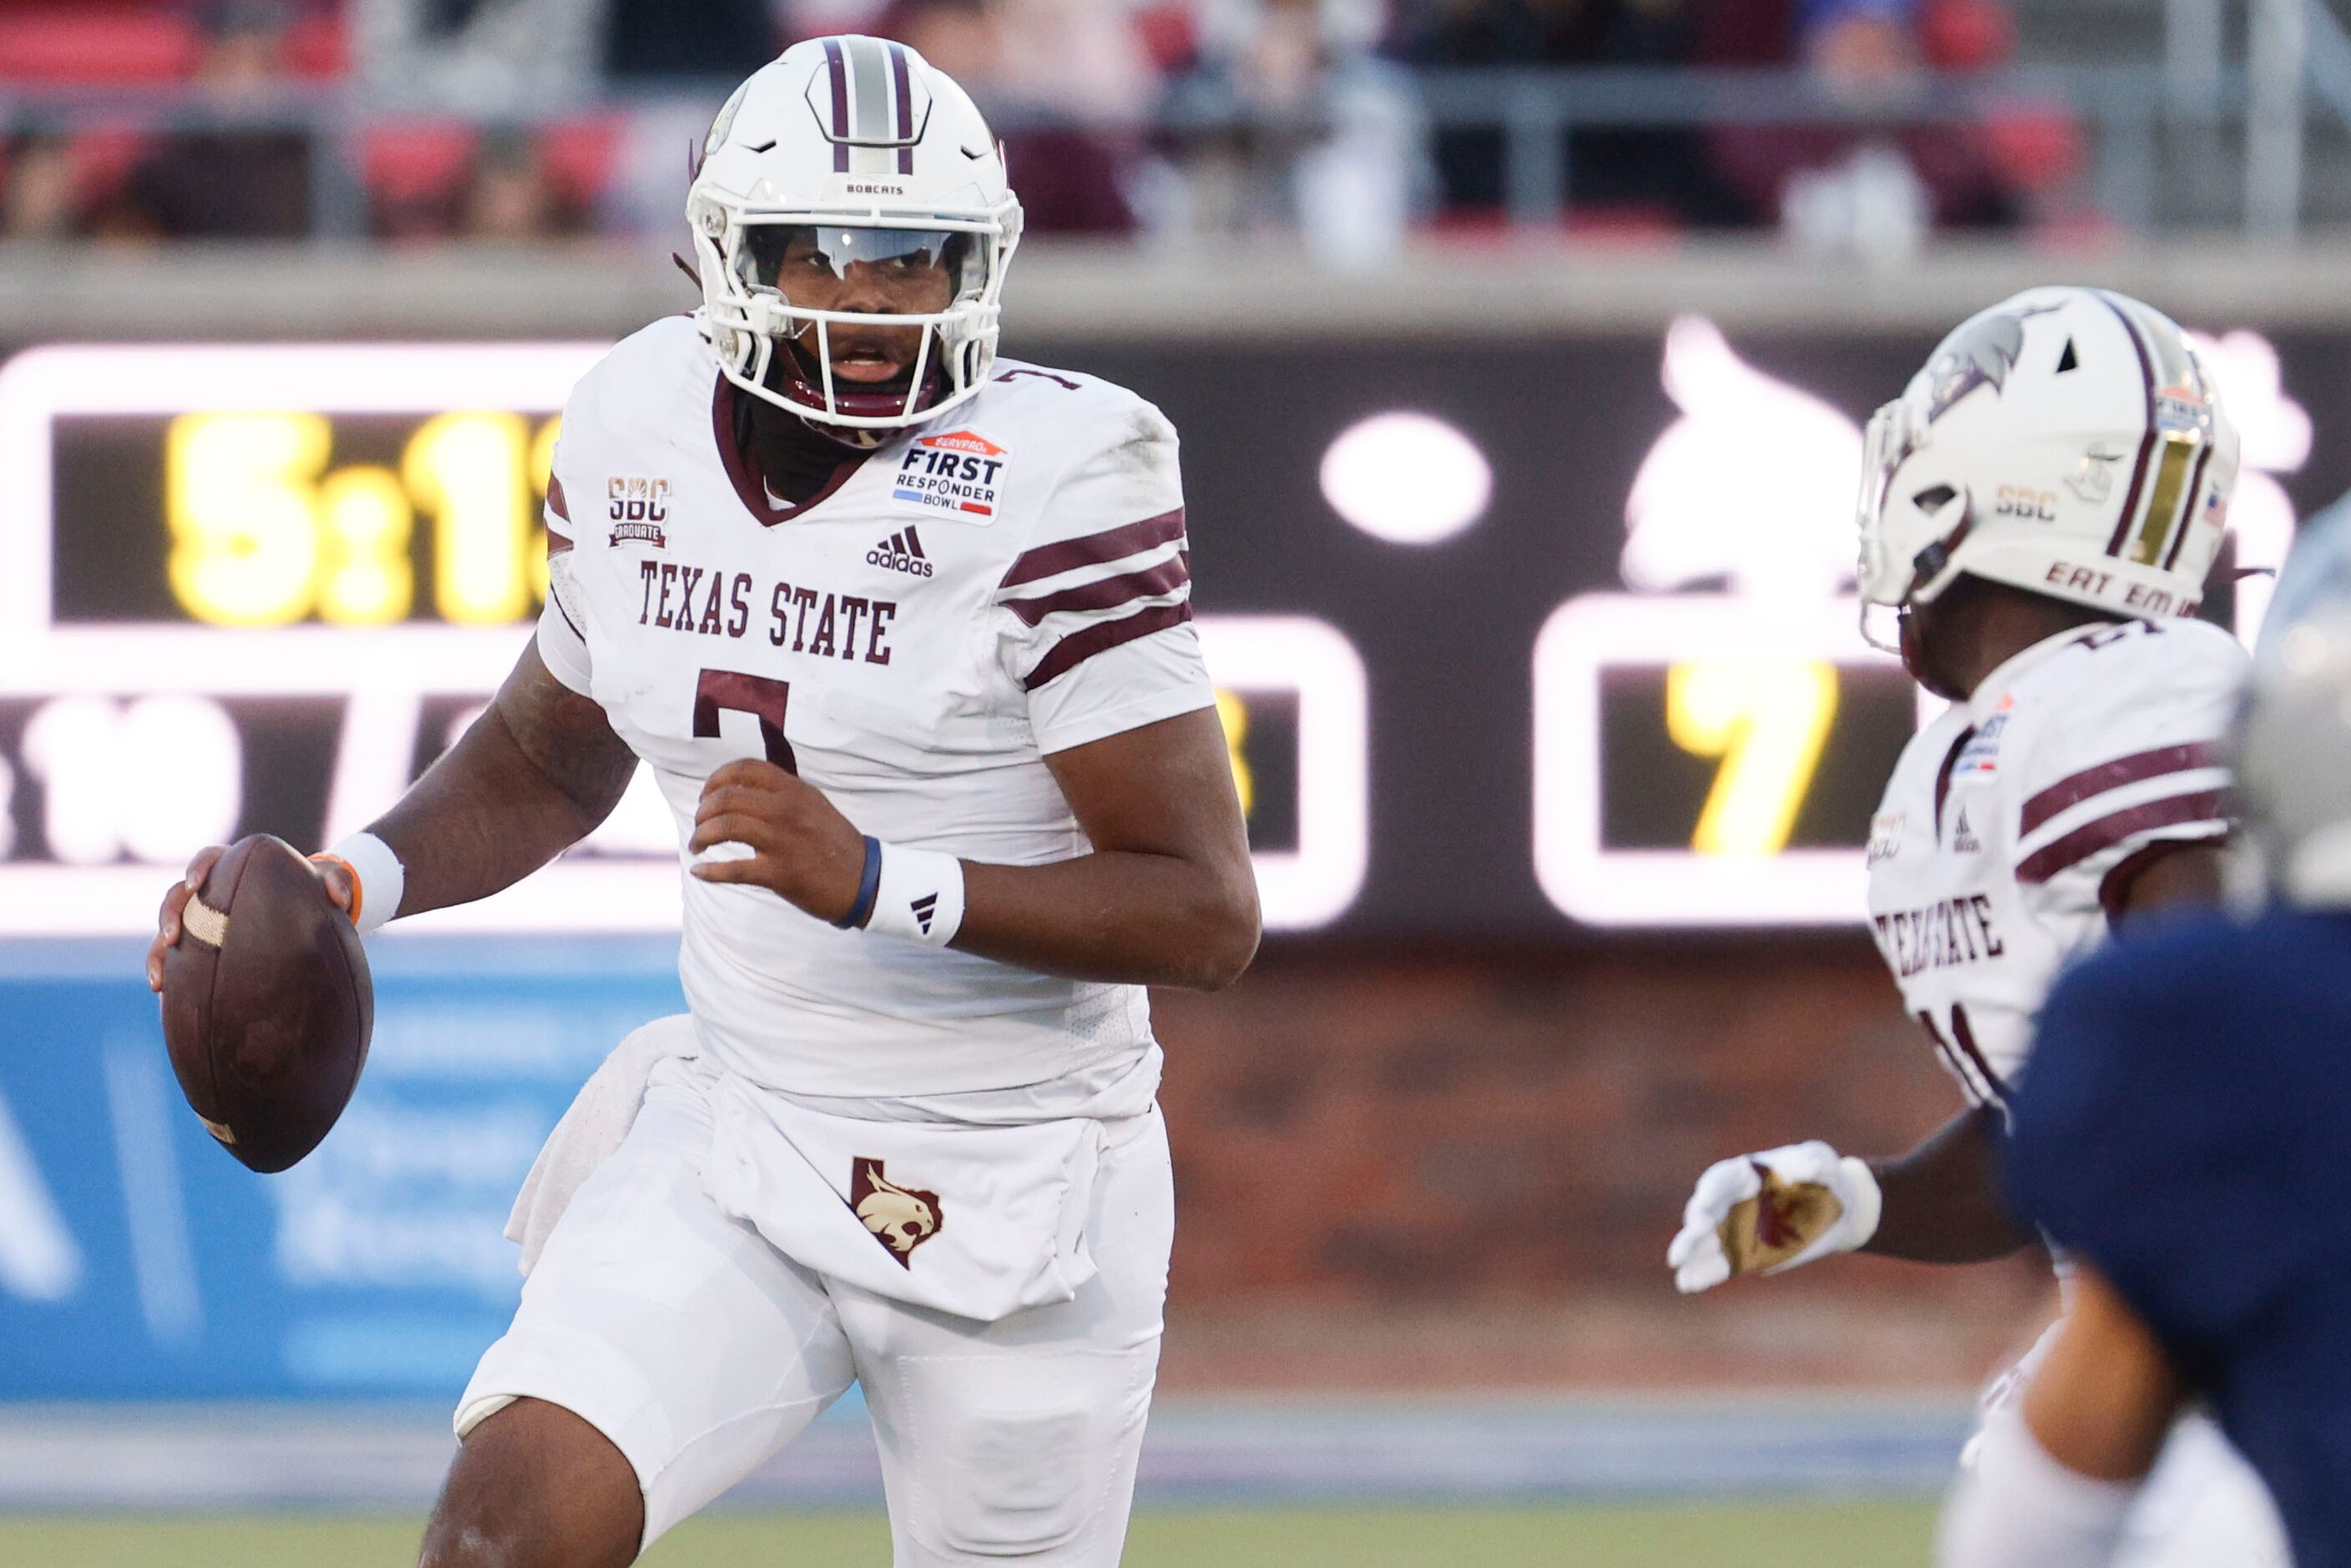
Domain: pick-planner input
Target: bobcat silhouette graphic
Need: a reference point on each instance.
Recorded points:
(900, 1217)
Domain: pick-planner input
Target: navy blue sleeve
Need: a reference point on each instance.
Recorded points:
(2147, 1136)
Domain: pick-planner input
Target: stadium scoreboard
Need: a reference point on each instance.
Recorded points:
(260, 587)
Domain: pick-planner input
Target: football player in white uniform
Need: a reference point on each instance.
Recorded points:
(902, 632)
(2040, 510)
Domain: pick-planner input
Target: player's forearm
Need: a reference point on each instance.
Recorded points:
(1941, 1200)
(1114, 916)
(533, 776)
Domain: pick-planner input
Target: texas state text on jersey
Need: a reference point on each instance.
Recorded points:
(1995, 854)
(1011, 581)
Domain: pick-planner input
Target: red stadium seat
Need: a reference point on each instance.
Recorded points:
(86, 45)
(319, 45)
(578, 155)
(102, 160)
(406, 162)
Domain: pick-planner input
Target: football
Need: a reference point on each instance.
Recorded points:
(267, 1004)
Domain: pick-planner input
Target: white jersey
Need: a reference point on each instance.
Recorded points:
(1010, 583)
(1994, 857)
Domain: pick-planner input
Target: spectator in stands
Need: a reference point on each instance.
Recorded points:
(508, 195)
(1068, 162)
(232, 179)
(1833, 182)
(37, 197)
(1297, 123)
(1635, 173)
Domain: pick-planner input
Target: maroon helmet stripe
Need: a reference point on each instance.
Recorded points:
(2188, 513)
(1079, 646)
(2070, 791)
(2209, 806)
(899, 85)
(2146, 442)
(1109, 593)
(1095, 549)
(839, 67)
(555, 502)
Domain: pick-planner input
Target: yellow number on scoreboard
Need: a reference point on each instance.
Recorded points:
(1233, 713)
(468, 469)
(238, 494)
(1766, 719)
(263, 534)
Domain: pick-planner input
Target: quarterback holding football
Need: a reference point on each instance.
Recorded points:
(902, 631)
(2039, 510)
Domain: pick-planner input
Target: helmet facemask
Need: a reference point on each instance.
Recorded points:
(782, 352)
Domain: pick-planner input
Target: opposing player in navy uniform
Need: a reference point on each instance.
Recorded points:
(2181, 1136)
(2039, 510)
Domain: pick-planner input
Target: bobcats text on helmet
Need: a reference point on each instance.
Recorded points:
(2067, 441)
(862, 141)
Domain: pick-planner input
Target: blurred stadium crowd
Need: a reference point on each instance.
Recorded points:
(421, 120)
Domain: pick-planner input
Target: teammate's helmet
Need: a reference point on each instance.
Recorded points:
(864, 140)
(2067, 442)
(2292, 736)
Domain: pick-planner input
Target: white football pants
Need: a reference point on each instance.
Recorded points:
(700, 1351)
(2202, 1506)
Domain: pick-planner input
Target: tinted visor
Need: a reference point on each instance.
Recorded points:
(774, 255)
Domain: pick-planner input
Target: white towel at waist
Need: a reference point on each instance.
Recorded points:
(979, 1221)
(592, 1129)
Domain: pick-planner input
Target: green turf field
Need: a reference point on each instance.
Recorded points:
(1855, 1535)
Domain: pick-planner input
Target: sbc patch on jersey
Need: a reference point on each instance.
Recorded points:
(959, 473)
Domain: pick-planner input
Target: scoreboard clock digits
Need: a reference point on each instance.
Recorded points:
(1706, 760)
(264, 532)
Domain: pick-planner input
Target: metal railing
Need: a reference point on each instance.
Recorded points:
(2298, 62)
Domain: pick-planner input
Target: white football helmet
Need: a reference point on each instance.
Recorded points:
(2291, 749)
(863, 139)
(2067, 442)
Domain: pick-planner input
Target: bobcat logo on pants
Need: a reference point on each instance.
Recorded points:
(900, 1217)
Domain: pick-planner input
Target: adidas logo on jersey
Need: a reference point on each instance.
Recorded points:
(1963, 837)
(900, 551)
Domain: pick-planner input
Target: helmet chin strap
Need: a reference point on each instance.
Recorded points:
(855, 439)
(790, 361)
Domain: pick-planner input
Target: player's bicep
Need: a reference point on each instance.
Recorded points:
(1163, 789)
(563, 733)
(2166, 874)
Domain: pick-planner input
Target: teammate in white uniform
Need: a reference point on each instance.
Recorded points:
(902, 632)
(2040, 509)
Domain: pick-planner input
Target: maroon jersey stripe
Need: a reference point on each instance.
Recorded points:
(2071, 791)
(555, 501)
(1964, 1033)
(1081, 645)
(2208, 806)
(1095, 549)
(1109, 593)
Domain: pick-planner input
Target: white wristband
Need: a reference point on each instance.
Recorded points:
(381, 878)
(919, 895)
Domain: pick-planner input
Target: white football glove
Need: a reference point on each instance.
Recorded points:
(1769, 1211)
